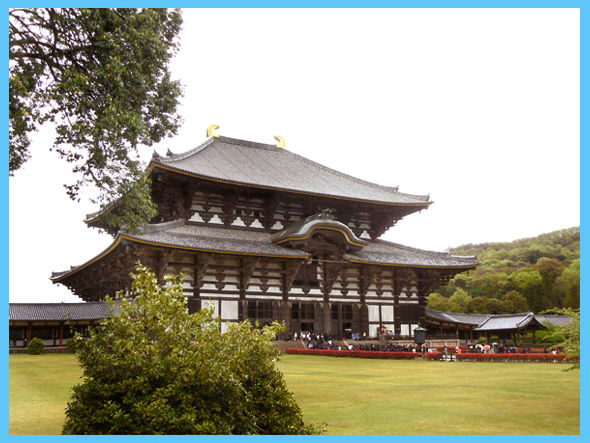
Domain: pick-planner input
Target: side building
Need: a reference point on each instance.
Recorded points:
(55, 323)
(262, 233)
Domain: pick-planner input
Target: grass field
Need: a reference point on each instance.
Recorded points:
(357, 396)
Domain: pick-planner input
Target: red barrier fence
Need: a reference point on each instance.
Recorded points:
(358, 354)
(467, 349)
(533, 357)
(514, 357)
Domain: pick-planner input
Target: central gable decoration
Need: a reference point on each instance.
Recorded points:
(320, 235)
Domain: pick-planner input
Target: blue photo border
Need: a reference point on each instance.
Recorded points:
(584, 8)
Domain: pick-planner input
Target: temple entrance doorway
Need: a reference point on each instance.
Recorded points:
(307, 326)
(347, 330)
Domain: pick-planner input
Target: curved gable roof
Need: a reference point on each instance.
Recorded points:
(266, 166)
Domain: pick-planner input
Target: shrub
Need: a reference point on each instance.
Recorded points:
(36, 346)
(156, 369)
(569, 334)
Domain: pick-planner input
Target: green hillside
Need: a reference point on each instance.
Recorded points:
(531, 274)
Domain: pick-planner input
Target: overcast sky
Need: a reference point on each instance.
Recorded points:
(478, 108)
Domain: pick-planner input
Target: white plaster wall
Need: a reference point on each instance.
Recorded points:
(373, 312)
(387, 313)
(373, 330)
(229, 310)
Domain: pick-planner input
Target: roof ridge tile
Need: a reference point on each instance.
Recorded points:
(387, 190)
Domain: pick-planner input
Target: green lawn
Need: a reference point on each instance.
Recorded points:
(357, 396)
(39, 390)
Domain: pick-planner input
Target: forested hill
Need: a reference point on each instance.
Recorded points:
(531, 274)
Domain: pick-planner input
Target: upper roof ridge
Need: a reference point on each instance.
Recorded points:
(170, 156)
(282, 151)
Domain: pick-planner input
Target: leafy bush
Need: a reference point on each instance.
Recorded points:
(36, 346)
(156, 369)
(569, 334)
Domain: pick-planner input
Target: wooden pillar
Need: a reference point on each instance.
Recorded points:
(286, 316)
(356, 321)
(61, 334)
(318, 315)
(327, 317)
(243, 310)
(470, 334)
(396, 319)
(201, 262)
(29, 333)
(363, 319)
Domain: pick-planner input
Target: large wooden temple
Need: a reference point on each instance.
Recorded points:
(262, 233)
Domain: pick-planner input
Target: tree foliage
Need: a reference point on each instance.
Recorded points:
(101, 76)
(535, 274)
(514, 301)
(156, 369)
(459, 301)
(569, 333)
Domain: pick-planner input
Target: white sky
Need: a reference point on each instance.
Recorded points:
(479, 108)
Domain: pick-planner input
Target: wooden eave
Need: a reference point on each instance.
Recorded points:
(396, 265)
(419, 205)
(122, 237)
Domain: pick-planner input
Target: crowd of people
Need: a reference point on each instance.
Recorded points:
(320, 340)
(494, 348)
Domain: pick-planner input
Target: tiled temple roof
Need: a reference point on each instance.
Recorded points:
(58, 311)
(182, 234)
(456, 317)
(508, 321)
(554, 319)
(256, 164)
(100, 310)
(497, 322)
(384, 252)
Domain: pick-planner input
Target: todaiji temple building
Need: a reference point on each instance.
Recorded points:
(262, 233)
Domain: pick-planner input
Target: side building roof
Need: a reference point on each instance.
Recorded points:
(31, 312)
(508, 322)
(456, 317)
(497, 322)
(261, 165)
(58, 311)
